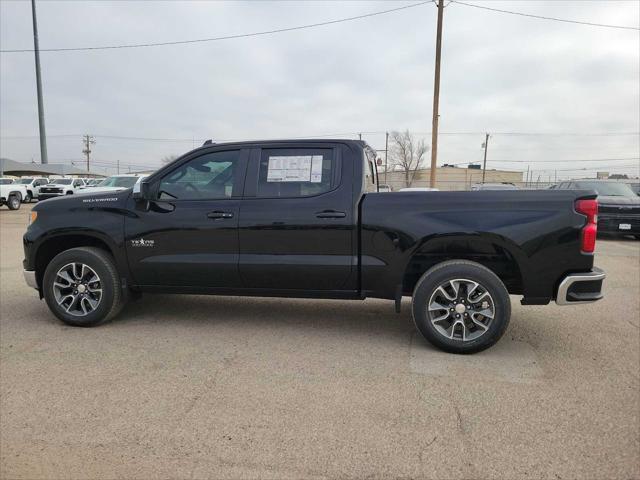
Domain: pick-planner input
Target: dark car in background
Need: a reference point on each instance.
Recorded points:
(618, 205)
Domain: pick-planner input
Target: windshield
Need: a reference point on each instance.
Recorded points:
(608, 189)
(5, 181)
(25, 181)
(122, 182)
(62, 181)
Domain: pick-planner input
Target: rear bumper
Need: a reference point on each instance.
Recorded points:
(578, 288)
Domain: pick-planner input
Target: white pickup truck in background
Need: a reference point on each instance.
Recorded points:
(11, 194)
(33, 185)
(59, 187)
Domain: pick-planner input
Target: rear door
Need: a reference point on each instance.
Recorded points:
(297, 222)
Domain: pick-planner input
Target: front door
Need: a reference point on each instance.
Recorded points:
(187, 236)
(297, 224)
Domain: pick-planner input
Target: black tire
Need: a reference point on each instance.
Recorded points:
(488, 281)
(111, 301)
(14, 202)
(29, 197)
(69, 193)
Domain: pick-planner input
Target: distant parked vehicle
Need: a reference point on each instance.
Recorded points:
(635, 187)
(33, 186)
(92, 182)
(11, 194)
(60, 186)
(494, 186)
(384, 188)
(116, 183)
(618, 206)
(418, 189)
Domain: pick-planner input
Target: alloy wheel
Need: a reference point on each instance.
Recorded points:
(77, 289)
(461, 309)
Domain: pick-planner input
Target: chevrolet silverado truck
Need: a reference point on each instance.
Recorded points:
(304, 218)
(59, 187)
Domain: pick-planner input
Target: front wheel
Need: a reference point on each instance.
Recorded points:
(82, 288)
(14, 202)
(461, 306)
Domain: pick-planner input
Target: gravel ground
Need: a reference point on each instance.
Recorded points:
(222, 387)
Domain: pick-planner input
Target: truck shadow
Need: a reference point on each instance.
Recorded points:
(202, 310)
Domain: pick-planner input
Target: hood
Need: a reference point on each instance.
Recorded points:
(86, 200)
(618, 200)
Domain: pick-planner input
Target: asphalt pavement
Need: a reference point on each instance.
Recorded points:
(224, 387)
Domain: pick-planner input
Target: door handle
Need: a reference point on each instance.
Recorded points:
(330, 214)
(218, 214)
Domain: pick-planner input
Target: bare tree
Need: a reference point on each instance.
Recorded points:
(408, 153)
(168, 159)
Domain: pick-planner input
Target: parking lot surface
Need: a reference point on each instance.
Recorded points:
(222, 387)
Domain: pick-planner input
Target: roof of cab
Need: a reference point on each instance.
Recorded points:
(359, 143)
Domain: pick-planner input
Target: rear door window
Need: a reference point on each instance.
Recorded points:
(296, 172)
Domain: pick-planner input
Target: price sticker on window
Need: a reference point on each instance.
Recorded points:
(307, 168)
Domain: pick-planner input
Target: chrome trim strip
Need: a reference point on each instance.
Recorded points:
(30, 278)
(561, 297)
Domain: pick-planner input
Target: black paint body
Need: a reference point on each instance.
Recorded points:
(344, 243)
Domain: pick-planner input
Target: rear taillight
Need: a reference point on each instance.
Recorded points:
(590, 230)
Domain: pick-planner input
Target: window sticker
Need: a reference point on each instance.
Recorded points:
(307, 168)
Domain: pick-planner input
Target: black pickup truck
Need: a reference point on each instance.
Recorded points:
(304, 219)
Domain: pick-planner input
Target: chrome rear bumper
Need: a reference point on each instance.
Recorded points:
(30, 278)
(579, 288)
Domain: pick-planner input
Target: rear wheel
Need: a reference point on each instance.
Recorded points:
(14, 202)
(82, 288)
(461, 306)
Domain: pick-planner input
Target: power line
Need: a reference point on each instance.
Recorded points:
(540, 17)
(328, 135)
(227, 37)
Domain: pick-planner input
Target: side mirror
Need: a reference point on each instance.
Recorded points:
(141, 191)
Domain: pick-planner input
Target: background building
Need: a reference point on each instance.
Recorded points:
(450, 178)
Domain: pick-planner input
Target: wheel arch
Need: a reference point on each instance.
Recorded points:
(497, 254)
(58, 243)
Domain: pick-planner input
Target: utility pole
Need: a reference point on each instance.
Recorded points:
(88, 140)
(436, 98)
(118, 166)
(386, 156)
(526, 182)
(360, 136)
(484, 164)
(44, 159)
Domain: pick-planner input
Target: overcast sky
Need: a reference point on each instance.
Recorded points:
(500, 73)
